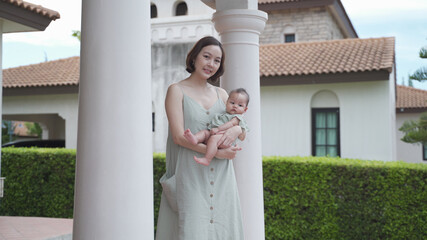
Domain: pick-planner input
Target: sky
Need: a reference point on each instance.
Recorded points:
(404, 20)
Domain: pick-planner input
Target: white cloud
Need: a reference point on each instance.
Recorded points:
(58, 33)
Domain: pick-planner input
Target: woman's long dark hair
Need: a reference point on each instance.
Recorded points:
(192, 55)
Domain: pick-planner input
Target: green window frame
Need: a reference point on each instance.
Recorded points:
(424, 152)
(289, 38)
(326, 132)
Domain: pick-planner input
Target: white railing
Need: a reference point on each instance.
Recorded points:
(181, 29)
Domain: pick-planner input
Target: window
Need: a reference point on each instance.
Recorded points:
(153, 11)
(424, 152)
(153, 116)
(181, 9)
(289, 38)
(325, 132)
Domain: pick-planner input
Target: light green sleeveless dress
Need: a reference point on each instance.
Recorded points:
(198, 202)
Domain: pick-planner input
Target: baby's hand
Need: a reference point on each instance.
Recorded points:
(214, 131)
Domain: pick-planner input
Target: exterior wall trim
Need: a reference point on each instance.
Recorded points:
(27, 91)
(410, 110)
(326, 78)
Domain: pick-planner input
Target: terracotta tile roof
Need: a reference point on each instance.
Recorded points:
(409, 97)
(348, 55)
(66, 72)
(336, 56)
(53, 73)
(45, 12)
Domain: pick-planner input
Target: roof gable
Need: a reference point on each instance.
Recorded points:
(335, 7)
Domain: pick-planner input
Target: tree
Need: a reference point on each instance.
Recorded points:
(77, 34)
(34, 129)
(7, 131)
(415, 131)
(421, 73)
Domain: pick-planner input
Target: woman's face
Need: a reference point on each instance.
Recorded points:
(208, 61)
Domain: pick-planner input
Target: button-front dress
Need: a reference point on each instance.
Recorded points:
(198, 202)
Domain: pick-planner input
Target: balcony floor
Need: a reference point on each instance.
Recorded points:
(35, 228)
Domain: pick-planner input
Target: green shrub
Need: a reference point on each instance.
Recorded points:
(39, 182)
(333, 198)
(304, 197)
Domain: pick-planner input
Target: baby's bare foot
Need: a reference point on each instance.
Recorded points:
(190, 137)
(203, 161)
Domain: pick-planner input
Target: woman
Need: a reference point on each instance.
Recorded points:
(199, 202)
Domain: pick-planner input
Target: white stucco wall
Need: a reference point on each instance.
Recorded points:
(406, 151)
(366, 121)
(166, 8)
(50, 107)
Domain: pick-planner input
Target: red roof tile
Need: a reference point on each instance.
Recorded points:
(53, 73)
(51, 14)
(348, 55)
(335, 56)
(66, 72)
(409, 97)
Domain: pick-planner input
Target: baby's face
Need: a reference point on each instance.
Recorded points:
(236, 103)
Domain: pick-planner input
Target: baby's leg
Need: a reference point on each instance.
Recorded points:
(196, 138)
(211, 149)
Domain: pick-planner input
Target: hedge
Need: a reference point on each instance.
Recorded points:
(304, 197)
(39, 182)
(333, 198)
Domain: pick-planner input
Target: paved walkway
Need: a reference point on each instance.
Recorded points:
(35, 228)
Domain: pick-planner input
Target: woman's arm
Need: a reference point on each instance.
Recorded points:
(173, 106)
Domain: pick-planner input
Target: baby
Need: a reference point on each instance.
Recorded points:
(237, 104)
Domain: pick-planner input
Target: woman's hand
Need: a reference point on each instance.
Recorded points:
(229, 136)
(227, 153)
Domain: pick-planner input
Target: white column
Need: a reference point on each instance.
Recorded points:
(114, 173)
(1, 81)
(239, 30)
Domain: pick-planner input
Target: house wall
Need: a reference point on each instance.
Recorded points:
(364, 126)
(167, 67)
(309, 24)
(406, 151)
(56, 113)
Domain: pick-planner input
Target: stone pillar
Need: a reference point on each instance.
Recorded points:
(239, 30)
(114, 172)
